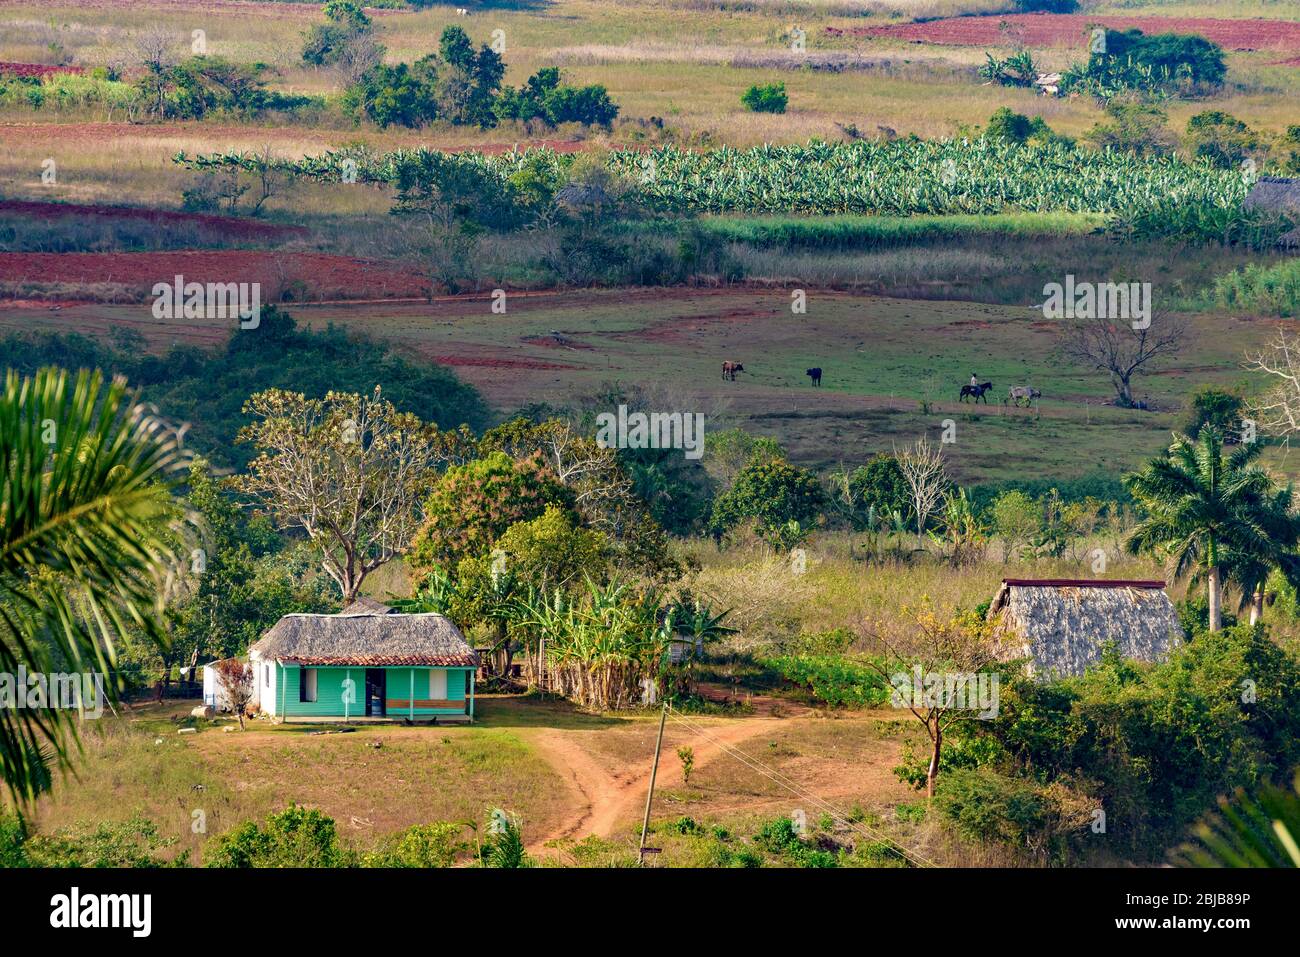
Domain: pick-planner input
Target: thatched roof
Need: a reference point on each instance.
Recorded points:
(1061, 624)
(371, 640)
(367, 606)
(1275, 194)
(581, 194)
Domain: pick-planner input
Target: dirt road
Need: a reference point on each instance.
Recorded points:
(611, 793)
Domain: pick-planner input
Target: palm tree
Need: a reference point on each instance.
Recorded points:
(87, 539)
(1279, 523)
(1250, 830)
(1204, 509)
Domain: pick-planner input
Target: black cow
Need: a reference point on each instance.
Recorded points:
(815, 373)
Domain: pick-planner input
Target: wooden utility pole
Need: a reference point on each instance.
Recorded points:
(650, 795)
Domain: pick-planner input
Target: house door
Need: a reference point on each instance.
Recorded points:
(376, 692)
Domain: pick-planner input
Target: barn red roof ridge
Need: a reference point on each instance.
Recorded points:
(1085, 582)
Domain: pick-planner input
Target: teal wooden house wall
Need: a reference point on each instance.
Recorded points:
(399, 685)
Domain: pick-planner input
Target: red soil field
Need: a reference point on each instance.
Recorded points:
(227, 225)
(35, 69)
(312, 276)
(1066, 29)
(241, 7)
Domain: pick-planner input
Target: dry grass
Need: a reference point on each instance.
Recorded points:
(376, 780)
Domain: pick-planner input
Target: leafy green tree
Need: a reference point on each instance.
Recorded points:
(781, 499)
(1153, 745)
(348, 470)
(1217, 408)
(1133, 127)
(1016, 520)
(1222, 139)
(243, 578)
(86, 475)
(467, 82)
(472, 505)
(543, 96)
(1202, 509)
(1009, 126)
(769, 98)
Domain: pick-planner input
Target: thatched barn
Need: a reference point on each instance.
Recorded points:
(1278, 196)
(1061, 624)
(366, 661)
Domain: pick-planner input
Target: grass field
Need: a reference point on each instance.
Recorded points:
(882, 359)
(383, 778)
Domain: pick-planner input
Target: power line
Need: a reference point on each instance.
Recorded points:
(789, 784)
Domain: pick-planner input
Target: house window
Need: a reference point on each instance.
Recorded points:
(307, 684)
(438, 684)
(266, 675)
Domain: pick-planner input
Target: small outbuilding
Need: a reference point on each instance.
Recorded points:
(1061, 624)
(367, 661)
(1277, 196)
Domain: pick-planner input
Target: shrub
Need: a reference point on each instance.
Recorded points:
(1132, 127)
(421, 845)
(771, 98)
(1221, 138)
(837, 681)
(1157, 743)
(294, 837)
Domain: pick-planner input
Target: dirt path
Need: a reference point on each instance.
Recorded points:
(608, 797)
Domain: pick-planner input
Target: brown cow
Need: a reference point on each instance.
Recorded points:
(729, 370)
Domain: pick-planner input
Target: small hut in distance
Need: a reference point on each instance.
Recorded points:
(1277, 196)
(1061, 624)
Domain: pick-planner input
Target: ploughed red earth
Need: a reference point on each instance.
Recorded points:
(301, 275)
(231, 226)
(35, 69)
(1067, 29)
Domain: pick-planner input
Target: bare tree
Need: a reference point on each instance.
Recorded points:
(235, 680)
(153, 50)
(349, 470)
(941, 673)
(922, 467)
(1278, 409)
(1119, 350)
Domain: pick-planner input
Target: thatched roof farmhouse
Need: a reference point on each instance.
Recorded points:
(1060, 624)
(1278, 196)
(369, 660)
(373, 640)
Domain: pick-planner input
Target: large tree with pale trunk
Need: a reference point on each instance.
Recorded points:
(351, 471)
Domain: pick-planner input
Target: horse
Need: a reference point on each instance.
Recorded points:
(729, 370)
(1019, 392)
(815, 373)
(975, 390)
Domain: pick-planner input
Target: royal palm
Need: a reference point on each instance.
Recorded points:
(1208, 513)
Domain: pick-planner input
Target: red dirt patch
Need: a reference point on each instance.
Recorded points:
(300, 275)
(486, 362)
(35, 69)
(1065, 29)
(228, 225)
